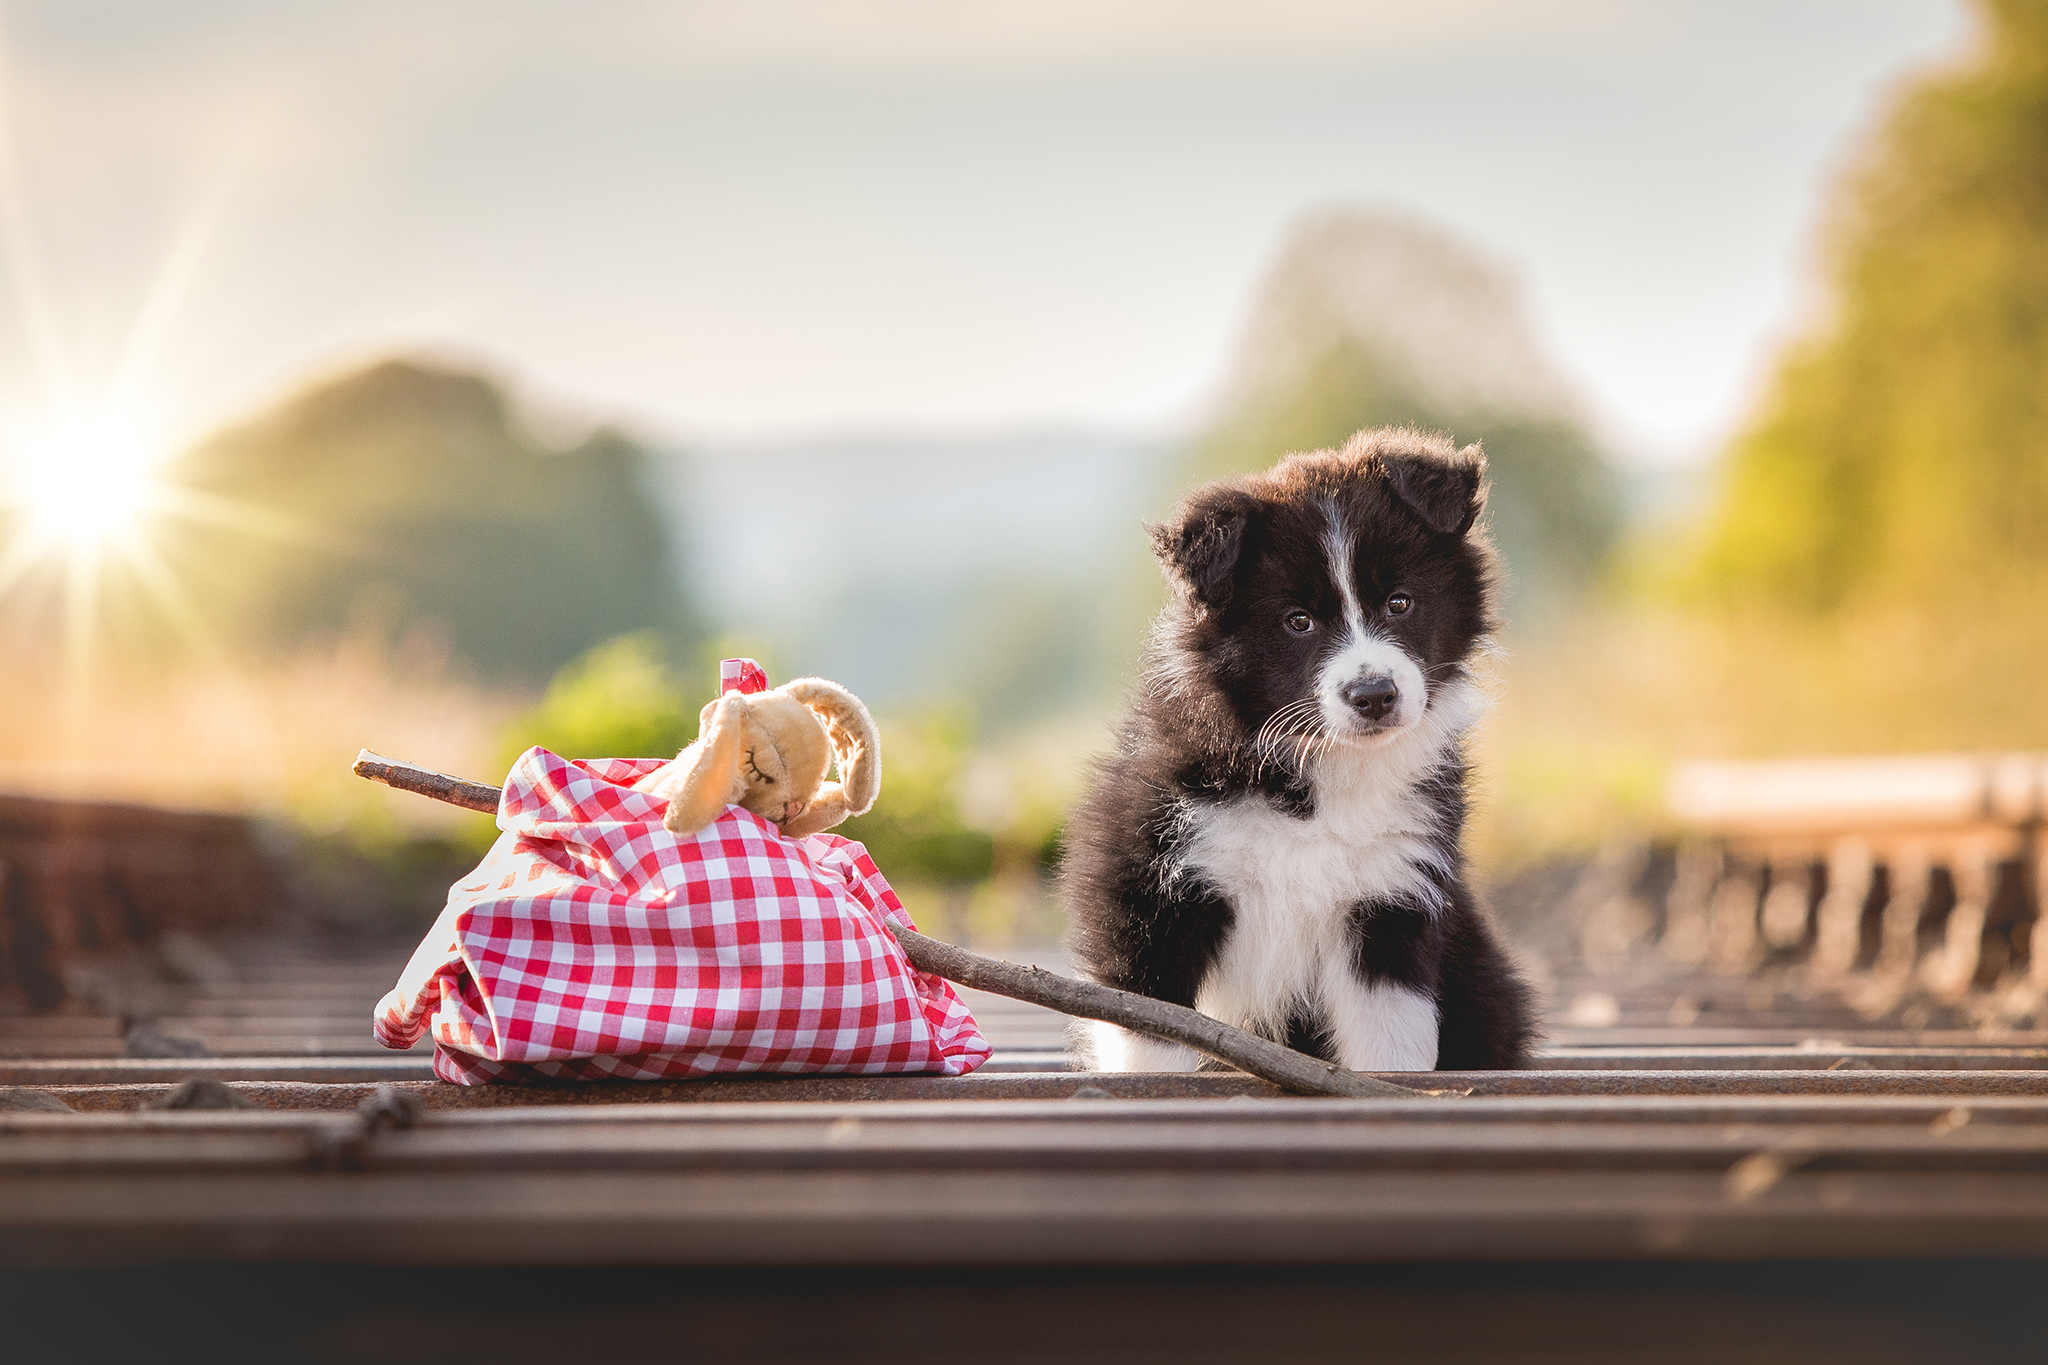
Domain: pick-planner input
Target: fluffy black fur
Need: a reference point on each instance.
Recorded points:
(1250, 566)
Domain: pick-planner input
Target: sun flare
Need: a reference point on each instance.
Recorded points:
(85, 480)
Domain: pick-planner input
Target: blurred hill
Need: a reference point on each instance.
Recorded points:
(1902, 454)
(412, 498)
(1369, 320)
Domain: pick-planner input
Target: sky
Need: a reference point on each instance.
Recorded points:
(791, 219)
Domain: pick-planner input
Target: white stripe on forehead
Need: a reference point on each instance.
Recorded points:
(1339, 543)
(1362, 651)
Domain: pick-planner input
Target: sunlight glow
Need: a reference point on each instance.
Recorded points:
(85, 483)
(86, 479)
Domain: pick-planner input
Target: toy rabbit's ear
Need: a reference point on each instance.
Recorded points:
(857, 746)
(706, 772)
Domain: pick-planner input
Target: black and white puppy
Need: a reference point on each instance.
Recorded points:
(1276, 839)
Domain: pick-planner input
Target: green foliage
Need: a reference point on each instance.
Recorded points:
(1905, 447)
(916, 831)
(405, 497)
(623, 699)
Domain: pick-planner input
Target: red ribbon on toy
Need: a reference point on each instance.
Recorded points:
(741, 675)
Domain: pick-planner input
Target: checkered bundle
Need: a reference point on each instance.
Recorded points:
(591, 943)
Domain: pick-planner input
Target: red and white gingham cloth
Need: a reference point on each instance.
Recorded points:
(591, 944)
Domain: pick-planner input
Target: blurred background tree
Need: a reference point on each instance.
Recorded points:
(623, 699)
(1866, 570)
(409, 497)
(1901, 455)
(1871, 571)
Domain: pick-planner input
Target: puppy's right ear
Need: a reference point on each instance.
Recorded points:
(1446, 491)
(1200, 549)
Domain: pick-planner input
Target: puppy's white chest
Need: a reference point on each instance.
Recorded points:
(1292, 884)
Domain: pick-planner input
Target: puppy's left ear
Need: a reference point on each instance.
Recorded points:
(1447, 492)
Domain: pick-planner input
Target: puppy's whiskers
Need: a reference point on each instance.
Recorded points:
(1283, 720)
(1282, 724)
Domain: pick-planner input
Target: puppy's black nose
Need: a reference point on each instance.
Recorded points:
(1373, 698)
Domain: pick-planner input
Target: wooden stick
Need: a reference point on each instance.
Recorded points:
(1268, 1060)
(456, 791)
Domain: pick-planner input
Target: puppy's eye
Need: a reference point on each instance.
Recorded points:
(1300, 622)
(1399, 604)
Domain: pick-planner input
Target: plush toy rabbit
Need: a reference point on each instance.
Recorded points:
(768, 751)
